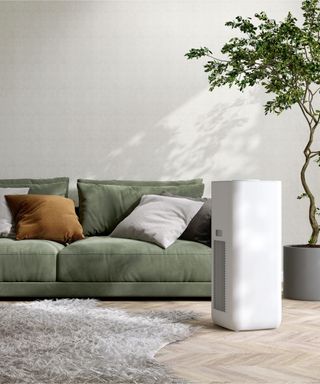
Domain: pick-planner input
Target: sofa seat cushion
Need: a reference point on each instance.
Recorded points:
(28, 260)
(108, 259)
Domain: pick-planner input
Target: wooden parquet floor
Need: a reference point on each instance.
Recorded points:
(290, 354)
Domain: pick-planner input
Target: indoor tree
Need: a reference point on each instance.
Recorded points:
(283, 57)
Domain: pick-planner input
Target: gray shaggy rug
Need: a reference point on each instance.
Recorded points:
(76, 342)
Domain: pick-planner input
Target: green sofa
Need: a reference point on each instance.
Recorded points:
(102, 266)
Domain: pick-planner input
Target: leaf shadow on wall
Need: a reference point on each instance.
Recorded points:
(206, 137)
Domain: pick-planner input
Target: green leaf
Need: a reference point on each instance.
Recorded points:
(282, 56)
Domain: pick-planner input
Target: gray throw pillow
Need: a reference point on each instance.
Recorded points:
(6, 219)
(199, 228)
(158, 219)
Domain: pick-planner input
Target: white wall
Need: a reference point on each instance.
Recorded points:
(103, 90)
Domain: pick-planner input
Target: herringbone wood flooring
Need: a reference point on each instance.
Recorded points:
(290, 354)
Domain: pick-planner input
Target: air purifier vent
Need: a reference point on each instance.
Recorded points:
(219, 275)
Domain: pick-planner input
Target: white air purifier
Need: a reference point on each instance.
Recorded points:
(247, 254)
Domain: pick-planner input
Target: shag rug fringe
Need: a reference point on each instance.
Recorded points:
(77, 342)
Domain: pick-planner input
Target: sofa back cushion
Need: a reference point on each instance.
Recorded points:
(142, 182)
(103, 206)
(54, 186)
(45, 217)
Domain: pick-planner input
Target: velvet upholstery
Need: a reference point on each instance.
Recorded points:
(98, 259)
(103, 207)
(106, 290)
(45, 217)
(28, 260)
(54, 186)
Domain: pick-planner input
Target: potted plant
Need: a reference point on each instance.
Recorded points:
(283, 57)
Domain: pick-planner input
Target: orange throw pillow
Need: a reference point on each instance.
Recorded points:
(46, 217)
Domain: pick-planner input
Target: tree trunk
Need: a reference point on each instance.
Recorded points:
(312, 205)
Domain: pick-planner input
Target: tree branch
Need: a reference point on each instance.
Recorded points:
(304, 113)
(314, 154)
(216, 59)
(309, 113)
(316, 91)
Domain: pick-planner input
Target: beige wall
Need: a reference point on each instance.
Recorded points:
(102, 90)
